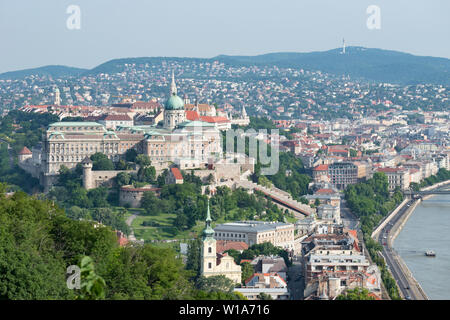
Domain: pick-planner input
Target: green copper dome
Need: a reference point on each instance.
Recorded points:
(174, 103)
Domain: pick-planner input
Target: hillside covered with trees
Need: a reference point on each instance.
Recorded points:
(37, 233)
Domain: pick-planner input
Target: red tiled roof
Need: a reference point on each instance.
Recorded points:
(371, 294)
(130, 188)
(177, 174)
(321, 167)
(353, 233)
(223, 245)
(323, 191)
(192, 115)
(245, 260)
(117, 117)
(214, 119)
(337, 151)
(122, 241)
(25, 150)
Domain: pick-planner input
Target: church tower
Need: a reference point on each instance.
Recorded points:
(244, 112)
(57, 101)
(208, 254)
(173, 86)
(174, 113)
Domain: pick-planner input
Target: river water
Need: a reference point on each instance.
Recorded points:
(428, 228)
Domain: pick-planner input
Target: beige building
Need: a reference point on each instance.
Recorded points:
(254, 232)
(328, 213)
(112, 121)
(269, 283)
(68, 143)
(323, 260)
(397, 177)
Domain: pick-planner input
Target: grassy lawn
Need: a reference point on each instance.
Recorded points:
(291, 219)
(162, 228)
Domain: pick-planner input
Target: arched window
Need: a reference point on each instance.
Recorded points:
(209, 250)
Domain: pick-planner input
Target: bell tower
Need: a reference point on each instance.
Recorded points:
(208, 254)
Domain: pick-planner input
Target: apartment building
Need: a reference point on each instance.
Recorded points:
(342, 174)
(397, 177)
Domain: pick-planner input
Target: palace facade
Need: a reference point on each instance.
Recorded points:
(187, 144)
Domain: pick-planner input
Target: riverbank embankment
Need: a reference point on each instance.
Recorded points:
(398, 226)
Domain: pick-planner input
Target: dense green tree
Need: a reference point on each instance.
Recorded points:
(101, 162)
(122, 165)
(356, 294)
(38, 242)
(247, 271)
(131, 155)
(92, 285)
(147, 174)
(143, 160)
(98, 197)
(264, 296)
(151, 203)
(215, 283)
(193, 261)
(77, 213)
(123, 178)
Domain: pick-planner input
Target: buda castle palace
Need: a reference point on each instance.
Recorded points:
(176, 140)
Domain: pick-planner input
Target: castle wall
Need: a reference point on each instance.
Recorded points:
(133, 196)
(94, 179)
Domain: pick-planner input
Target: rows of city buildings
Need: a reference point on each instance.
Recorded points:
(180, 135)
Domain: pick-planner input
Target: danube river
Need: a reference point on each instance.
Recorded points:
(428, 228)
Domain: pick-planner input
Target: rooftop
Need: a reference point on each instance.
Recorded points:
(75, 124)
(250, 226)
(24, 151)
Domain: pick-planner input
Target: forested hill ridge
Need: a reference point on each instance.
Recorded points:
(372, 64)
(358, 62)
(54, 71)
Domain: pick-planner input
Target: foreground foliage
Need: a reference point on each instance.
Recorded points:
(37, 233)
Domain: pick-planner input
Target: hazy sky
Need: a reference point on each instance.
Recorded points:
(34, 33)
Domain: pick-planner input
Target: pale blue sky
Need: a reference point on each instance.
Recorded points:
(34, 33)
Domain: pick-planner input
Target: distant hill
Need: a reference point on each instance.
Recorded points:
(118, 65)
(53, 71)
(358, 62)
(372, 64)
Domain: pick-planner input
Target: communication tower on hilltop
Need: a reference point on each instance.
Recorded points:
(343, 46)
